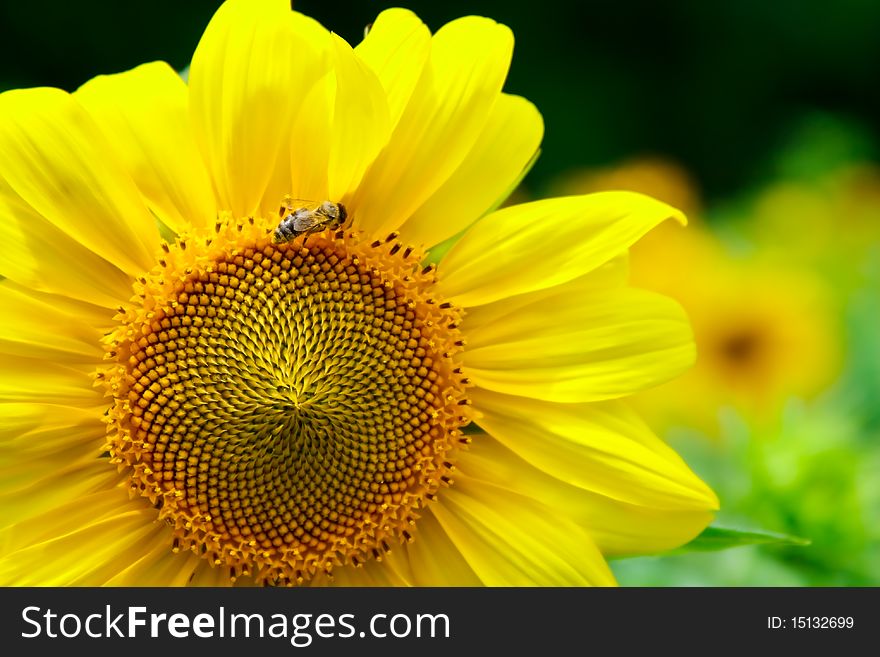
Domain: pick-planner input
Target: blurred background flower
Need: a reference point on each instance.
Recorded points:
(759, 120)
(766, 330)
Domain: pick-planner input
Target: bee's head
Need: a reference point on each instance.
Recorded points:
(343, 214)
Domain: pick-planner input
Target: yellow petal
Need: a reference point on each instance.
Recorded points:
(310, 143)
(361, 122)
(43, 257)
(143, 113)
(617, 527)
(21, 419)
(489, 172)
(559, 348)
(302, 168)
(49, 326)
(36, 380)
(434, 559)
(40, 429)
(251, 71)
(82, 543)
(33, 486)
(393, 570)
(602, 447)
(207, 574)
(444, 117)
(159, 566)
(57, 161)
(512, 540)
(49, 454)
(537, 245)
(613, 275)
(90, 556)
(28, 440)
(63, 518)
(396, 49)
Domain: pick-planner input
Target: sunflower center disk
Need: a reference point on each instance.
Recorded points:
(289, 408)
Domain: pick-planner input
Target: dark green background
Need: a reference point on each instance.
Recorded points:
(715, 85)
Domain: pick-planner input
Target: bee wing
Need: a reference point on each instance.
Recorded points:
(304, 220)
(289, 205)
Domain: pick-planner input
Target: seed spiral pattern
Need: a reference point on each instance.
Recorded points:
(289, 407)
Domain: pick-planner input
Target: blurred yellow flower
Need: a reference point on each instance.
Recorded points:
(764, 330)
(300, 411)
(764, 333)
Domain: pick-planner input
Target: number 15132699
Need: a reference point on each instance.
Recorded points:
(810, 623)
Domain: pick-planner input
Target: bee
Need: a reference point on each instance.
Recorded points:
(308, 219)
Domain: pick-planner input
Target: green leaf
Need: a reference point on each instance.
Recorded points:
(721, 538)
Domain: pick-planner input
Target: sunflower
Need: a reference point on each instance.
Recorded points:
(191, 397)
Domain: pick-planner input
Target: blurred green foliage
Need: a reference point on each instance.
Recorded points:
(815, 478)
